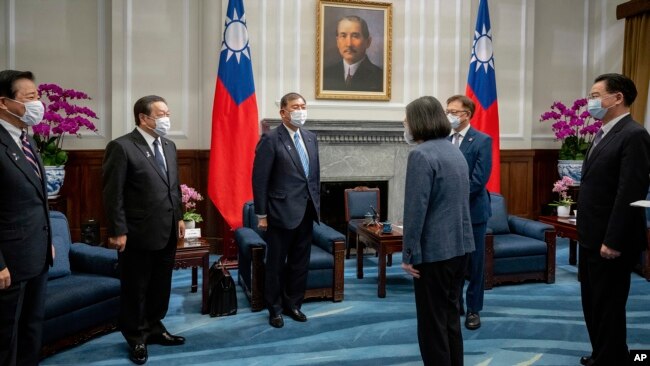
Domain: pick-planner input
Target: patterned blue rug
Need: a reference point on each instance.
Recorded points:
(525, 324)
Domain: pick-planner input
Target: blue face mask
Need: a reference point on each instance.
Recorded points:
(595, 107)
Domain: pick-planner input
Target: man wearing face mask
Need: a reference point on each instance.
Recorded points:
(612, 233)
(286, 190)
(25, 238)
(477, 150)
(142, 199)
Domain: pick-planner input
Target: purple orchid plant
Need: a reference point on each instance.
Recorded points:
(573, 126)
(62, 116)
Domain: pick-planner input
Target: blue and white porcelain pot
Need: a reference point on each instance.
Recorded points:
(55, 176)
(571, 169)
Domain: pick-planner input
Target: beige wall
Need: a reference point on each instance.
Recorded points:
(119, 50)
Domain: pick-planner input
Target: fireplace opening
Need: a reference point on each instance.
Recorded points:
(332, 201)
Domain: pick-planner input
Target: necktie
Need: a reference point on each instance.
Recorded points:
(599, 136)
(302, 153)
(158, 156)
(457, 139)
(29, 154)
(348, 79)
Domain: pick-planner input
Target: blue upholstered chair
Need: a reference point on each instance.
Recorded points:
(357, 203)
(517, 249)
(326, 264)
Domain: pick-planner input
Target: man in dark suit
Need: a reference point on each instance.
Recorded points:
(477, 150)
(142, 199)
(612, 233)
(286, 189)
(355, 72)
(25, 238)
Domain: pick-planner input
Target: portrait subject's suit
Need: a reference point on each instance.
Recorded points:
(477, 150)
(368, 77)
(614, 175)
(143, 202)
(25, 249)
(291, 202)
(437, 237)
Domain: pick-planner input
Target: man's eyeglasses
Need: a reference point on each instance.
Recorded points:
(454, 112)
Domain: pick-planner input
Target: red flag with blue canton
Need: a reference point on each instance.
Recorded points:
(234, 121)
(482, 89)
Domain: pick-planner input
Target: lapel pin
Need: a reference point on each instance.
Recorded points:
(471, 139)
(148, 155)
(289, 147)
(15, 156)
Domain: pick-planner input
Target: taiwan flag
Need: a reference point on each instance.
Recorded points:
(482, 89)
(234, 121)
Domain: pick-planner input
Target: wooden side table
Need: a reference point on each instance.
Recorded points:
(565, 228)
(195, 253)
(385, 244)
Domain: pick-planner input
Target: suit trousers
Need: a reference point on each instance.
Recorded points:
(604, 287)
(287, 264)
(475, 271)
(145, 277)
(436, 302)
(22, 308)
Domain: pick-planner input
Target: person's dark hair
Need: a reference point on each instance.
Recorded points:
(143, 105)
(465, 101)
(426, 119)
(7, 80)
(354, 18)
(289, 97)
(617, 83)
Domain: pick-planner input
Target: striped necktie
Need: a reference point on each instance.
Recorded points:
(302, 153)
(157, 155)
(29, 154)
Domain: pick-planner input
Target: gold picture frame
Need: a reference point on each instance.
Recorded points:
(341, 40)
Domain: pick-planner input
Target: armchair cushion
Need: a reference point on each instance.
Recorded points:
(498, 222)
(513, 245)
(96, 260)
(529, 228)
(61, 241)
(325, 236)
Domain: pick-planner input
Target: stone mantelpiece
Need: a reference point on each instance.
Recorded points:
(362, 150)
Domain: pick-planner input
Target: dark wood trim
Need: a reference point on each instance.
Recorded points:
(632, 8)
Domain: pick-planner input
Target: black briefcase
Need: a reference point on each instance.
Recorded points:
(223, 294)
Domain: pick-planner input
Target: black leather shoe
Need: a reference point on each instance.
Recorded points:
(166, 339)
(585, 360)
(296, 315)
(472, 321)
(138, 354)
(276, 321)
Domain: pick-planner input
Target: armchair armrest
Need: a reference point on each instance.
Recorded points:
(247, 239)
(91, 259)
(326, 238)
(529, 228)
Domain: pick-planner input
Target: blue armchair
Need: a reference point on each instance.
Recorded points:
(357, 203)
(326, 264)
(517, 249)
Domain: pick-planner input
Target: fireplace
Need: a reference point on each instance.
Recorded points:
(354, 153)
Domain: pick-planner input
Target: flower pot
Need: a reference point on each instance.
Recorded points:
(189, 224)
(54, 176)
(571, 169)
(563, 211)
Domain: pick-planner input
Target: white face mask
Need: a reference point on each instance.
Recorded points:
(298, 117)
(34, 111)
(453, 120)
(162, 126)
(408, 137)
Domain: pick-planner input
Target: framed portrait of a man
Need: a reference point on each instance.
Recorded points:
(353, 50)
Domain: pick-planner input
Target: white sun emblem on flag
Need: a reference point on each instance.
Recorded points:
(482, 50)
(235, 37)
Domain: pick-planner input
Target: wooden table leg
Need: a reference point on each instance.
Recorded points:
(381, 291)
(204, 283)
(195, 279)
(573, 245)
(359, 259)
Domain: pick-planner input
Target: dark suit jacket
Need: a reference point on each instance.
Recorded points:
(614, 175)
(25, 238)
(139, 199)
(368, 77)
(280, 188)
(477, 149)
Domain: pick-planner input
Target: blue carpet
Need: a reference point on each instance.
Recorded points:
(524, 324)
